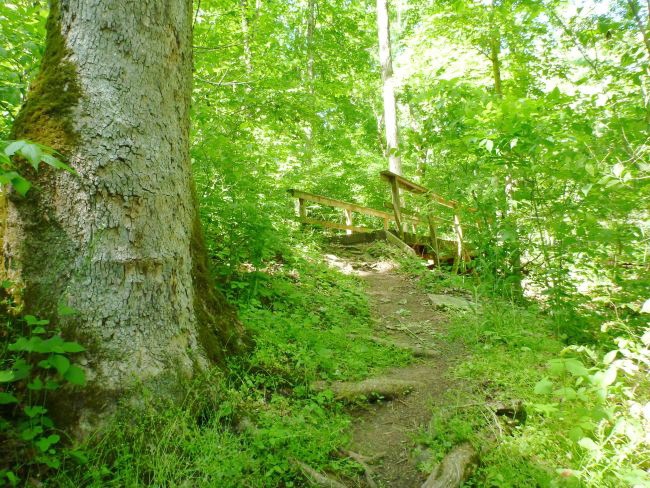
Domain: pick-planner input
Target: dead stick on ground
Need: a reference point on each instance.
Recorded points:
(362, 461)
(316, 478)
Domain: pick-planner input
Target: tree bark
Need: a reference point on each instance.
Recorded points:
(248, 58)
(495, 52)
(390, 106)
(310, 129)
(120, 242)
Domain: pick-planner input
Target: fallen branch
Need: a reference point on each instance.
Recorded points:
(316, 478)
(455, 468)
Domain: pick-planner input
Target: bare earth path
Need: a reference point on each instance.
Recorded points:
(405, 317)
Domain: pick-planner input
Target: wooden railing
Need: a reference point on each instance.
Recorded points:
(348, 208)
(397, 183)
(400, 215)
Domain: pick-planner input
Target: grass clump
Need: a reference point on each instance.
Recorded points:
(582, 422)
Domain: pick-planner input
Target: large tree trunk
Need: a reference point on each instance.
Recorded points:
(390, 106)
(120, 242)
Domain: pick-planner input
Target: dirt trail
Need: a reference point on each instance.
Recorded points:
(404, 316)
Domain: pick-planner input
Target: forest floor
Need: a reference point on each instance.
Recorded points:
(386, 431)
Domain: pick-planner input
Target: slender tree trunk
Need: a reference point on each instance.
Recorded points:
(644, 28)
(120, 242)
(390, 106)
(311, 93)
(512, 246)
(248, 62)
(495, 52)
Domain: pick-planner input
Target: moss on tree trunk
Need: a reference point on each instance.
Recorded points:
(120, 241)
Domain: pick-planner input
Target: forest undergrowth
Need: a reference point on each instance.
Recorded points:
(581, 418)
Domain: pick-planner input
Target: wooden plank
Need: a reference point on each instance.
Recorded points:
(311, 197)
(397, 206)
(434, 240)
(302, 210)
(396, 241)
(348, 220)
(404, 183)
(459, 239)
(333, 225)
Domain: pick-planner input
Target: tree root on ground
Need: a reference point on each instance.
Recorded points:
(316, 478)
(371, 388)
(363, 460)
(455, 468)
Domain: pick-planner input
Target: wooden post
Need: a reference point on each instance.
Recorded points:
(434, 240)
(386, 224)
(348, 220)
(459, 240)
(302, 210)
(396, 205)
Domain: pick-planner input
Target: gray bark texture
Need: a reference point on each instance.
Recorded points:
(120, 242)
(388, 89)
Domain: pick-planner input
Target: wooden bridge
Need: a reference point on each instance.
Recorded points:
(443, 237)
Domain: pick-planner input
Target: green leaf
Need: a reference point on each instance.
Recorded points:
(72, 347)
(75, 375)
(617, 169)
(544, 387)
(13, 479)
(32, 153)
(587, 443)
(558, 367)
(20, 184)
(609, 357)
(7, 398)
(44, 443)
(7, 376)
(79, 456)
(63, 310)
(61, 363)
(567, 393)
(36, 384)
(33, 411)
(31, 320)
(31, 432)
(11, 149)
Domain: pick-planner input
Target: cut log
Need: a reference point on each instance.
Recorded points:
(455, 468)
(371, 389)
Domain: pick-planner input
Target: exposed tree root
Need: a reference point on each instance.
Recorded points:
(371, 389)
(363, 460)
(418, 352)
(316, 478)
(455, 468)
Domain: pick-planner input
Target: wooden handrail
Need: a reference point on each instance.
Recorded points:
(413, 187)
(331, 202)
(352, 207)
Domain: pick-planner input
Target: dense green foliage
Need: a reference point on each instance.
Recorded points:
(534, 112)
